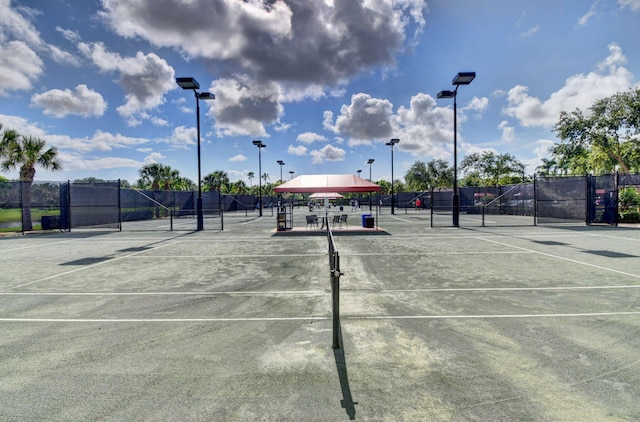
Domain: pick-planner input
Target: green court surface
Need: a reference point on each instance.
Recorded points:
(506, 322)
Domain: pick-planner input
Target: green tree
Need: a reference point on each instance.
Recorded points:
(385, 186)
(239, 187)
(548, 167)
(418, 177)
(250, 176)
(157, 176)
(491, 168)
(602, 139)
(217, 180)
(25, 153)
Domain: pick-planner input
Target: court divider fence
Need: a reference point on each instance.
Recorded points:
(590, 199)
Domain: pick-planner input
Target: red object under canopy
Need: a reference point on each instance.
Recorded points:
(313, 183)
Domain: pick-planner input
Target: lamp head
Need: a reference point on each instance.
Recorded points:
(446, 94)
(280, 162)
(205, 96)
(188, 83)
(464, 78)
(371, 160)
(259, 143)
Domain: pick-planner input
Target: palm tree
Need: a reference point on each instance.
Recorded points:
(218, 180)
(238, 187)
(157, 176)
(25, 153)
(250, 175)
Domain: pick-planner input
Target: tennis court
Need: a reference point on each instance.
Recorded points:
(502, 323)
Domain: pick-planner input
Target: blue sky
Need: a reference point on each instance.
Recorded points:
(323, 83)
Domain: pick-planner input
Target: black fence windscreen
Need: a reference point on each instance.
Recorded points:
(561, 199)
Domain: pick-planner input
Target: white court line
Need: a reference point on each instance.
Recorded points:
(589, 314)
(233, 293)
(229, 256)
(250, 221)
(562, 258)
(87, 267)
(501, 289)
(402, 219)
(147, 320)
(323, 318)
(617, 237)
(35, 246)
(433, 253)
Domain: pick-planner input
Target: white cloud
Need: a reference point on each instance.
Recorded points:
(530, 32)
(424, 129)
(244, 106)
(145, 78)
(299, 151)
(182, 137)
(579, 91)
(362, 121)
(152, 158)
(477, 104)
(69, 35)
(508, 132)
(13, 24)
(60, 103)
(328, 153)
(238, 158)
(71, 162)
(19, 66)
(320, 42)
(634, 5)
(310, 137)
(584, 19)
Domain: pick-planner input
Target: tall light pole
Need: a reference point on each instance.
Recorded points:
(391, 143)
(281, 163)
(191, 83)
(260, 145)
(291, 174)
(371, 160)
(462, 78)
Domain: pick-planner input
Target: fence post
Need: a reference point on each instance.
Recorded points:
(69, 205)
(535, 200)
(119, 206)
(616, 185)
(431, 206)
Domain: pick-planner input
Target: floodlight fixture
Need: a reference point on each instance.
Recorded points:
(464, 78)
(188, 83)
(205, 96)
(446, 94)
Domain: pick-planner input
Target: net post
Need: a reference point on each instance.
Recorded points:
(335, 293)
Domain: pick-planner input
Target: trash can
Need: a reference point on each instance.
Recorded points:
(364, 217)
(369, 222)
(282, 221)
